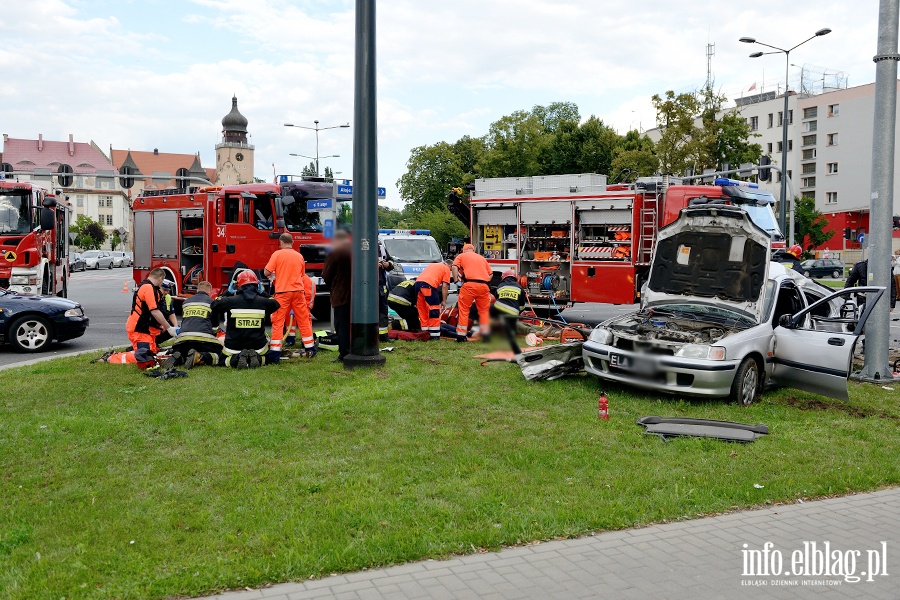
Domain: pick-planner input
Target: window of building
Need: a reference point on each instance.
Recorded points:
(809, 154)
(780, 118)
(811, 113)
(754, 123)
(832, 139)
(769, 147)
(808, 182)
(771, 120)
(79, 201)
(809, 140)
(810, 125)
(830, 197)
(810, 194)
(832, 168)
(109, 201)
(790, 145)
(809, 168)
(109, 220)
(778, 176)
(834, 110)
(790, 117)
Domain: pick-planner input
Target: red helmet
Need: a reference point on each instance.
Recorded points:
(508, 273)
(795, 251)
(247, 277)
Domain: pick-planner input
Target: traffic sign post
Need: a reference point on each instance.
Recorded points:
(345, 191)
(320, 205)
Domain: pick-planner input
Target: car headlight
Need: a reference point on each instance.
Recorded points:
(75, 312)
(601, 336)
(701, 351)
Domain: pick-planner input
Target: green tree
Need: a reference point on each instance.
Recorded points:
(810, 224)
(431, 172)
(579, 148)
(90, 235)
(675, 118)
(389, 218)
(443, 226)
(635, 157)
(309, 170)
(115, 240)
(725, 135)
(555, 114)
(345, 215)
(515, 144)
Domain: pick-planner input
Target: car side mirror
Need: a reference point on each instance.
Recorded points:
(787, 321)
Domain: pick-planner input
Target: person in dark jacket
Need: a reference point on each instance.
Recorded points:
(509, 304)
(246, 344)
(167, 308)
(196, 343)
(337, 274)
(402, 300)
(791, 258)
(385, 264)
(859, 276)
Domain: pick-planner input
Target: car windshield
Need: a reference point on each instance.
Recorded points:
(413, 250)
(297, 218)
(807, 263)
(91, 254)
(702, 310)
(14, 213)
(764, 218)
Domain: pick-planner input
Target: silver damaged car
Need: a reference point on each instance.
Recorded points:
(718, 319)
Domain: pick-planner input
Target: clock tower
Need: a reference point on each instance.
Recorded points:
(234, 154)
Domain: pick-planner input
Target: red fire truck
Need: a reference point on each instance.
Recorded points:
(573, 238)
(208, 233)
(34, 239)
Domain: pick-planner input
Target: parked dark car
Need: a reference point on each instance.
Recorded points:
(823, 267)
(76, 263)
(32, 323)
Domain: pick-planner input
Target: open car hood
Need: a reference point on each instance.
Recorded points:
(710, 255)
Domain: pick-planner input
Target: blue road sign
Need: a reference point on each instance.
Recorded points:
(328, 229)
(320, 205)
(346, 191)
(861, 238)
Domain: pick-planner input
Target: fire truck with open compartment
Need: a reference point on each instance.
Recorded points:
(573, 238)
(34, 238)
(206, 233)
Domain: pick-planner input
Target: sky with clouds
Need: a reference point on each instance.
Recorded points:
(146, 74)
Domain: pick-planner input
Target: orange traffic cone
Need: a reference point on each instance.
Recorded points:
(125, 287)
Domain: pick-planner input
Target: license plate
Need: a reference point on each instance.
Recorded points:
(634, 364)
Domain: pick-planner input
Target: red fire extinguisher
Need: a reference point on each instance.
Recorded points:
(603, 407)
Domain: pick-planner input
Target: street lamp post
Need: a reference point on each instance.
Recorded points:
(782, 208)
(316, 158)
(317, 129)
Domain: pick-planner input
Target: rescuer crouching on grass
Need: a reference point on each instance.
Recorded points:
(196, 343)
(432, 287)
(289, 269)
(475, 273)
(402, 300)
(509, 304)
(168, 311)
(145, 322)
(246, 345)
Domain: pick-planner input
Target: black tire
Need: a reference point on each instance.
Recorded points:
(31, 333)
(110, 266)
(836, 274)
(97, 267)
(747, 385)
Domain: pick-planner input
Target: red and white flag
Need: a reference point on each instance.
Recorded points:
(752, 87)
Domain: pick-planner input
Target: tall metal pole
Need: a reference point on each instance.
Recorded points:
(364, 298)
(317, 148)
(782, 208)
(881, 209)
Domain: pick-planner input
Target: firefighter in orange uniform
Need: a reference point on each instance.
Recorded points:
(432, 287)
(475, 273)
(289, 269)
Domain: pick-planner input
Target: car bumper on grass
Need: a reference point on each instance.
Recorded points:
(692, 377)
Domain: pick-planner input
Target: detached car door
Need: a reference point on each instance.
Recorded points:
(813, 352)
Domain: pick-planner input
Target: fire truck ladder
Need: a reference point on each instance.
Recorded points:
(649, 225)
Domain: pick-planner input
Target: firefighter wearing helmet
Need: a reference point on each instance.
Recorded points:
(791, 258)
(246, 344)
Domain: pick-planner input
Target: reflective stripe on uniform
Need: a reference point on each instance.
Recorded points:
(230, 352)
(399, 300)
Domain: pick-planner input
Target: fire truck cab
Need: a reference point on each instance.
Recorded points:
(212, 233)
(573, 238)
(34, 239)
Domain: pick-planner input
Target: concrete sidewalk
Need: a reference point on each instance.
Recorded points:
(699, 559)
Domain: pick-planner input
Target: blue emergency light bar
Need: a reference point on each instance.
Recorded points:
(405, 231)
(725, 182)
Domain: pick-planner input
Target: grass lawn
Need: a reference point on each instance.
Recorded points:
(114, 485)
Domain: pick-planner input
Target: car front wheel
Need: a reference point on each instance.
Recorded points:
(836, 274)
(30, 333)
(745, 389)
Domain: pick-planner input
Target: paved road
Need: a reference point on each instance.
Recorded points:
(696, 560)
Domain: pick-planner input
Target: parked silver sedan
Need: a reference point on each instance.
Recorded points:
(718, 319)
(120, 259)
(97, 259)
